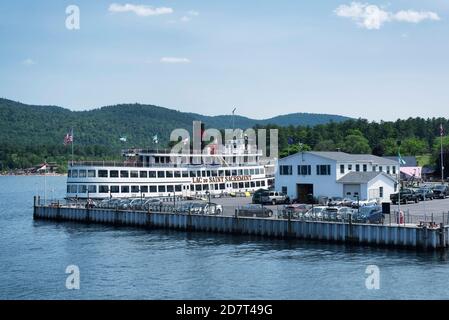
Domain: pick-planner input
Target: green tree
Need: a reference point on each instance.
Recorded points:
(355, 142)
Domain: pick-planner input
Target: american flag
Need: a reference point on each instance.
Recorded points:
(68, 139)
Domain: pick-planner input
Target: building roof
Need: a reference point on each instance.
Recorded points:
(362, 177)
(347, 157)
(410, 161)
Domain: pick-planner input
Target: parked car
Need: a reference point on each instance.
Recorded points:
(440, 191)
(295, 210)
(315, 212)
(255, 210)
(337, 213)
(152, 204)
(362, 203)
(369, 214)
(258, 194)
(406, 195)
(275, 197)
(335, 201)
(425, 194)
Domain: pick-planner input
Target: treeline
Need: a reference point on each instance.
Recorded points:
(418, 137)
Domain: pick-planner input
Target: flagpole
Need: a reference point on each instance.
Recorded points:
(441, 146)
(73, 142)
(45, 182)
(399, 181)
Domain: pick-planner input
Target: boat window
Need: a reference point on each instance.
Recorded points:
(73, 188)
(246, 184)
(92, 189)
(103, 189)
(252, 184)
(198, 187)
(102, 173)
(262, 170)
(246, 172)
(256, 171)
(205, 187)
(161, 188)
(251, 171)
(82, 174)
(91, 173)
(153, 189)
(222, 186)
(143, 174)
(144, 189)
(221, 173)
(262, 183)
(240, 172)
(134, 174)
(185, 174)
(74, 173)
(257, 183)
(170, 188)
(68, 189)
(124, 174)
(135, 189)
(161, 174)
(227, 173)
(214, 173)
(114, 189)
(234, 172)
(152, 174)
(177, 174)
(113, 173)
(192, 174)
(240, 185)
(203, 173)
(69, 173)
(235, 185)
(82, 188)
(178, 188)
(125, 189)
(169, 174)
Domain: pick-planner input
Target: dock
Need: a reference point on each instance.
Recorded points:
(395, 236)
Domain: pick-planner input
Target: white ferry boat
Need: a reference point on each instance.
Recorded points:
(219, 170)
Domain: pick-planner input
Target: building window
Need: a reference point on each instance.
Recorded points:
(388, 169)
(349, 167)
(381, 192)
(143, 174)
(342, 168)
(323, 170)
(394, 169)
(365, 168)
(284, 189)
(285, 170)
(124, 174)
(305, 170)
(357, 167)
(125, 189)
(381, 169)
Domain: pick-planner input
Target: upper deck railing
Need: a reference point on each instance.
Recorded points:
(121, 164)
(218, 153)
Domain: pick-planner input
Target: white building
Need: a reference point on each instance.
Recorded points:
(336, 174)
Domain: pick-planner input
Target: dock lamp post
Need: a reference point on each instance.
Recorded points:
(358, 203)
(208, 196)
(399, 176)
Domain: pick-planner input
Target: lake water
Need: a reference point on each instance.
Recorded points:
(125, 263)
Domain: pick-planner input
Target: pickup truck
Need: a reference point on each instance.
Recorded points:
(406, 196)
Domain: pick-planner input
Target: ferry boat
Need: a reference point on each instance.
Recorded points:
(235, 167)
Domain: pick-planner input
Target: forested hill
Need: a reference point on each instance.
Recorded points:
(28, 133)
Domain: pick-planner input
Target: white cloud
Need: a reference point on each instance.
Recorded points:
(140, 10)
(28, 62)
(373, 17)
(193, 13)
(174, 60)
(185, 19)
(415, 16)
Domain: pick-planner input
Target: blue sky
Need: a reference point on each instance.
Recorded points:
(381, 61)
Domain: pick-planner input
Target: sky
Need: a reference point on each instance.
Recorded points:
(379, 60)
